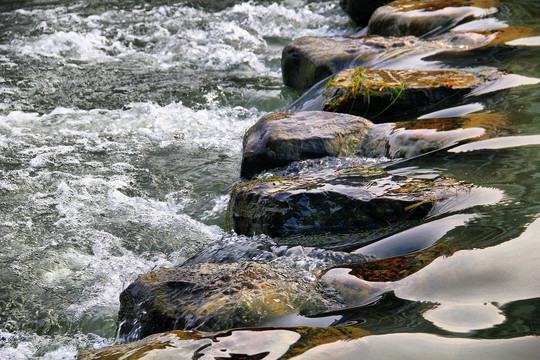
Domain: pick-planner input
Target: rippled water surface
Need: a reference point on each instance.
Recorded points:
(120, 139)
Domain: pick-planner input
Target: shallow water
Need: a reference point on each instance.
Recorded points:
(120, 138)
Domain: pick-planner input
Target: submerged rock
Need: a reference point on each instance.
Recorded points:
(281, 138)
(361, 10)
(426, 17)
(275, 343)
(360, 198)
(215, 297)
(398, 267)
(372, 93)
(278, 139)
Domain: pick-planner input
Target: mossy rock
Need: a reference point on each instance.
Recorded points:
(215, 297)
(426, 17)
(281, 138)
(308, 60)
(360, 198)
(361, 10)
(382, 94)
(237, 344)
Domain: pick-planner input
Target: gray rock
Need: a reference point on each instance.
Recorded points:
(281, 138)
(215, 297)
(426, 17)
(278, 139)
(357, 199)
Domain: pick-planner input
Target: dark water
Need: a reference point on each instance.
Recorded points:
(120, 137)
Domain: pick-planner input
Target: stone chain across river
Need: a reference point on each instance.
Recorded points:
(216, 297)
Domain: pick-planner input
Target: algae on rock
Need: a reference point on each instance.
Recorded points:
(348, 202)
(377, 94)
(213, 297)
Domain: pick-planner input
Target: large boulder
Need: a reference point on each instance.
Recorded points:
(361, 10)
(282, 343)
(360, 198)
(281, 138)
(215, 297)
(382, 94)
(426, 17)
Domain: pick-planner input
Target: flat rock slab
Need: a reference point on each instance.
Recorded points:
(356, 199)
(427, 17)
(215, 297)
(360, 11)
(278, 139)
(281, 138)
(308, 60)
(382, 94)
(234, 344)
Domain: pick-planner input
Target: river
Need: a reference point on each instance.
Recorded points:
(120, 139)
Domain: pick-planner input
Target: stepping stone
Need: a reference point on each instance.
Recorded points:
(357, 199)
(213, 297)
(308, 60)
(279, 139)
(390, 93)
(426, 17)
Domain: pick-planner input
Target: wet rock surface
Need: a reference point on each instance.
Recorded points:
(278, 139)
(281, 138)
(380, 94)
(308, 60)
(360, 198)
(215, 297)
(427, 17)
(282, 343)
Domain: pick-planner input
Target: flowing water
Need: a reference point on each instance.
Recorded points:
(120, 138)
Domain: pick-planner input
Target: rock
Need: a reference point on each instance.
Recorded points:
(281, 138)
(282, 343)
(361, 10)
(214, 297)
(308, 60)
(390, 93)
(360, 198)
(278, 139)
(426, 17)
